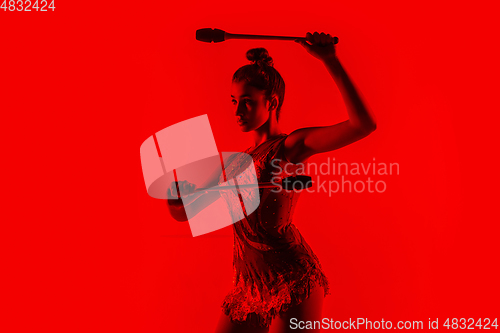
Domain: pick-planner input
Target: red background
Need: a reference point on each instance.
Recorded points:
(86, 249)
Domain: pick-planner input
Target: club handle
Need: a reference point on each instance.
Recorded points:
(229, 187)
(286, 183)
(228, 35)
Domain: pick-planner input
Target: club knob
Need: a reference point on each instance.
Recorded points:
(209, 35)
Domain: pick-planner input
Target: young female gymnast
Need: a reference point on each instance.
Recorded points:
(277, 276)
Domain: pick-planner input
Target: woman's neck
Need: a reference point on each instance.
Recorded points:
(267, 131)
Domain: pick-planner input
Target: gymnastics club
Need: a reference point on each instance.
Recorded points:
(209, 35)
(288, 183)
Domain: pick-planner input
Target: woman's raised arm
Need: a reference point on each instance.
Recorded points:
(306, 142)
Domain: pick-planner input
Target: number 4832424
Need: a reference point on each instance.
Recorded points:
(27, 5)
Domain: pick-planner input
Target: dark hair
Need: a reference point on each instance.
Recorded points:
(262, 75)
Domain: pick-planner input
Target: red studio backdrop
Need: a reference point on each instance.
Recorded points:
(85, 249)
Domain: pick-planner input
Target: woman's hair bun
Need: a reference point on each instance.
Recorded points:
(259, 56)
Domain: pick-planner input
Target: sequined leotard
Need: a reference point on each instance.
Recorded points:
(274, 267)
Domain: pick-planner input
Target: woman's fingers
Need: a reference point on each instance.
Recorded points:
(172, 189)
(310, 38)
(190, 187)
(185, 187)
(324, 38)
(320, 45)
(319, 38)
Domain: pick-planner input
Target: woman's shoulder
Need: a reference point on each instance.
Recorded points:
(276, 152)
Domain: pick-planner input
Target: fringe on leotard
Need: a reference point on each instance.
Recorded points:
(257, 306)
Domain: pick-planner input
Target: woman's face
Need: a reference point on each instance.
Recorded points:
(249, 106)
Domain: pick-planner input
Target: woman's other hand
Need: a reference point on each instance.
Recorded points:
(182, 187)
(319, 45)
